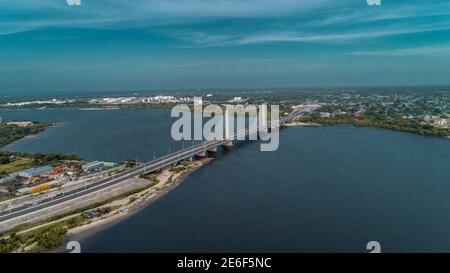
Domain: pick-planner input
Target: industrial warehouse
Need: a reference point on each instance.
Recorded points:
(41, 178)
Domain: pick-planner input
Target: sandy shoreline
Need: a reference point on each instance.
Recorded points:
(299, 123)
(97, 108)
(143, 199)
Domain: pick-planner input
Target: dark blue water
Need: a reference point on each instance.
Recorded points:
(327, 189)
(113, 135)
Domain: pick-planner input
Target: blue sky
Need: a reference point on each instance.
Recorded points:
(46, 45)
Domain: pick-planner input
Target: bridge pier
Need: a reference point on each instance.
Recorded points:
(201, 154)
(212, 150)
(228, 145)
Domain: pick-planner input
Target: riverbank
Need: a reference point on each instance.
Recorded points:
(11, 133)
(168, 179)
(299, 123)
(401, 125)
(28, 137)
(50, 236)
(98, 108)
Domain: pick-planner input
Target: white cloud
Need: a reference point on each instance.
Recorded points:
(174, 15)
(202, 39)
(432, 51)
(229, 8)
(26, 15)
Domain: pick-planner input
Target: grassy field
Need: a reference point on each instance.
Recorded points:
(18, 165)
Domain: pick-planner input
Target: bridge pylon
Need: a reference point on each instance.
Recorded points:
(229, 129)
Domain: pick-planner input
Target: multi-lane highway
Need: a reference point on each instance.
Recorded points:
(149, 167)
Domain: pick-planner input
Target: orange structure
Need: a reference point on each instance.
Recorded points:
(40, 188)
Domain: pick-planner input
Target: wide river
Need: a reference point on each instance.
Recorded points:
(327, 189)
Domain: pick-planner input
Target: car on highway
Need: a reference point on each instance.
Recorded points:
(35, 202)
